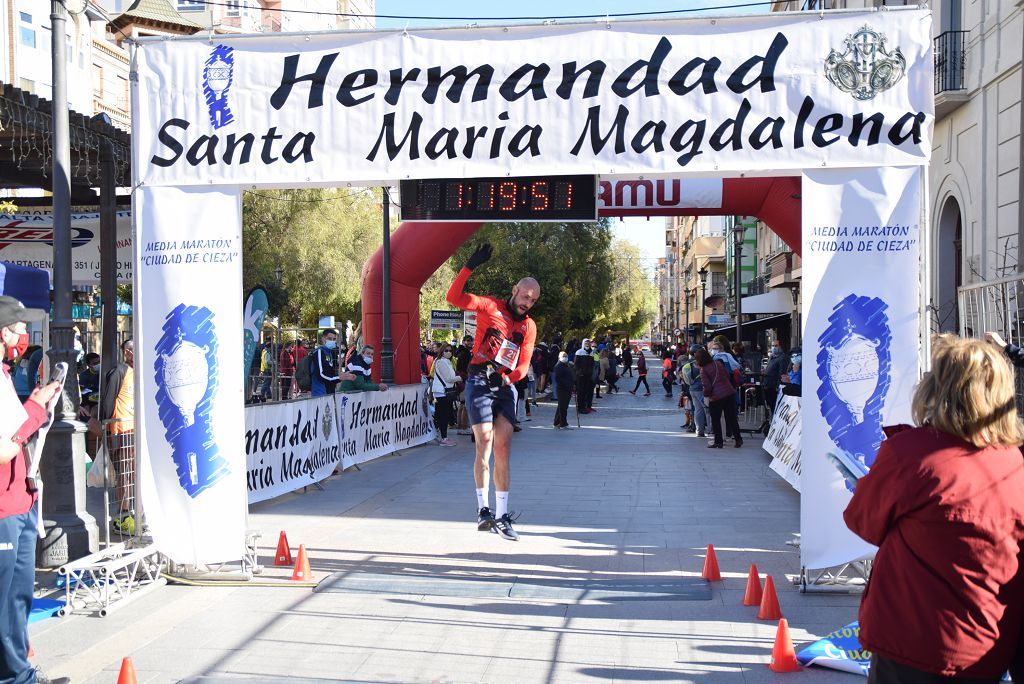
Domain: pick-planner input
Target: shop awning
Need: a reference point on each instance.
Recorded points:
(771, 302)
(756, 324)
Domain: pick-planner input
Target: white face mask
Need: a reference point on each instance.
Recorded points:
(368, 359)
(447, 355)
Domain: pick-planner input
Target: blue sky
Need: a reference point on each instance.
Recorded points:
(537, 8)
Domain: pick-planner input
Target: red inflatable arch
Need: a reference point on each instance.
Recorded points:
(418, 249)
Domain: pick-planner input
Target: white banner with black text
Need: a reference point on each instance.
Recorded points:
(785, 90)
(783, 440)
(294, 444)
(861, 313)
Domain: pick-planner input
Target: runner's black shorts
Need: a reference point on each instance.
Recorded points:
(483, 403)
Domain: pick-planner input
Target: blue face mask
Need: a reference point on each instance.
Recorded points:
(796, 358)
(331, 344)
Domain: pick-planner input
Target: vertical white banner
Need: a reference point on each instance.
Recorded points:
(190, 425)
(861, 312)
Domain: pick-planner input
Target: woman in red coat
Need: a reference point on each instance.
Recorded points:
(944, 504)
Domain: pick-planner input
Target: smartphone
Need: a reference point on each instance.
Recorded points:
(60, 372)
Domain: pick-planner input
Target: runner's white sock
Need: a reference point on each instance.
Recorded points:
(501, 500)
(481, 498)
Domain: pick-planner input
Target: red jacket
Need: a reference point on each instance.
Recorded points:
(715, 379)
(15, 498)
(946, 593)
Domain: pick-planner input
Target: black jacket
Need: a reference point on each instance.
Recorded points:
(563, 376)
(584, 364)
(112, 380)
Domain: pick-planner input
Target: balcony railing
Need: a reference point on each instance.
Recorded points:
(950, 61)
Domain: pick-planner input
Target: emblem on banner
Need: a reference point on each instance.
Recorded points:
(865, 67)
(853, 365)
(342, 403)
(186, 379)
(327, 421)
(218, 74)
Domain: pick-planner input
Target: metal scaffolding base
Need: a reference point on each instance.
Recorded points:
(107, 580)
(234, 571)
(849, 578)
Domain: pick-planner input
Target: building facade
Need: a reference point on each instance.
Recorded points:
(975, 181)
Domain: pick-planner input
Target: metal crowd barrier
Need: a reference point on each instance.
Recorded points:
(119, 494)
(753, 416)
(995, 306)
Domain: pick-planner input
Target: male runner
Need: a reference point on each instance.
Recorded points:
(501, 357)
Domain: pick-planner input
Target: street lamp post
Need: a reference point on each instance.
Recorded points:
(686, 331)
(737, 266)
(703, 273)
(70, 531)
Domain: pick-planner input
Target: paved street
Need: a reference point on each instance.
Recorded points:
(628, 496)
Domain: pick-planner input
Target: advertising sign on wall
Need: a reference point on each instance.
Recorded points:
(444, 319)
(27, 240)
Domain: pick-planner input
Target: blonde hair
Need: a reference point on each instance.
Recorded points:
(969, 393)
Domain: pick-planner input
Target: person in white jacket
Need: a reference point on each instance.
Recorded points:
(442, 387)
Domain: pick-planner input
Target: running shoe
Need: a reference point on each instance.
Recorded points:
(503, 527)
(485, 520)
(124, 525)
(446, 442)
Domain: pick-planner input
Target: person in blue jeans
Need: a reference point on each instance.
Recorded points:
(691, 376)
(18, 510)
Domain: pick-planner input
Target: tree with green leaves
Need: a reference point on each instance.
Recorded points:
(571, 261)
(319, 239)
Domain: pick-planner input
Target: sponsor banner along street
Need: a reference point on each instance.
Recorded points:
(293, 444)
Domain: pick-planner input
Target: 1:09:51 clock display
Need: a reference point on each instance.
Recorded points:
(533, 198)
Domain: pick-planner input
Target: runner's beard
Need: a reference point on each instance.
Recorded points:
(513, 310)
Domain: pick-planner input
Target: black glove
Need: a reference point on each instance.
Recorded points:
(480, 256)
(495, 380)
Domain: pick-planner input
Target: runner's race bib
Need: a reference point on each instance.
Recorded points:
(508, 354)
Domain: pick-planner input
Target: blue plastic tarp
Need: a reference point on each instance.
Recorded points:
(30, 285)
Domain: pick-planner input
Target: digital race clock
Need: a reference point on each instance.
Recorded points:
(533, 198)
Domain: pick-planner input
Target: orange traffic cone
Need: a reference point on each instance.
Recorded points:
(769, 609)
(127, 675)
(711, 573)
(752, 597)
(283, 557)
(302, 572)
(783, 655)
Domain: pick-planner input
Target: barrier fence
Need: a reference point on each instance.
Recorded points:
(995, 306)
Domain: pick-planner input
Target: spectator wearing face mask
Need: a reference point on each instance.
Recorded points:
(791, 381)
(777, 362)
(323, 367)
(359, 368)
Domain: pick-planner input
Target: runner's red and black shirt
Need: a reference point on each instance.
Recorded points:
(500, 339)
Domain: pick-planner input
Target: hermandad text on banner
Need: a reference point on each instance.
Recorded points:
(293, 444)
(633, 98)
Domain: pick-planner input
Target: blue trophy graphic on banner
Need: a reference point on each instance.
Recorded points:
(218, 74)
(854, 365)
(186, 378)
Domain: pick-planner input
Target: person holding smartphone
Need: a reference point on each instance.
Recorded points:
(18, 511)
